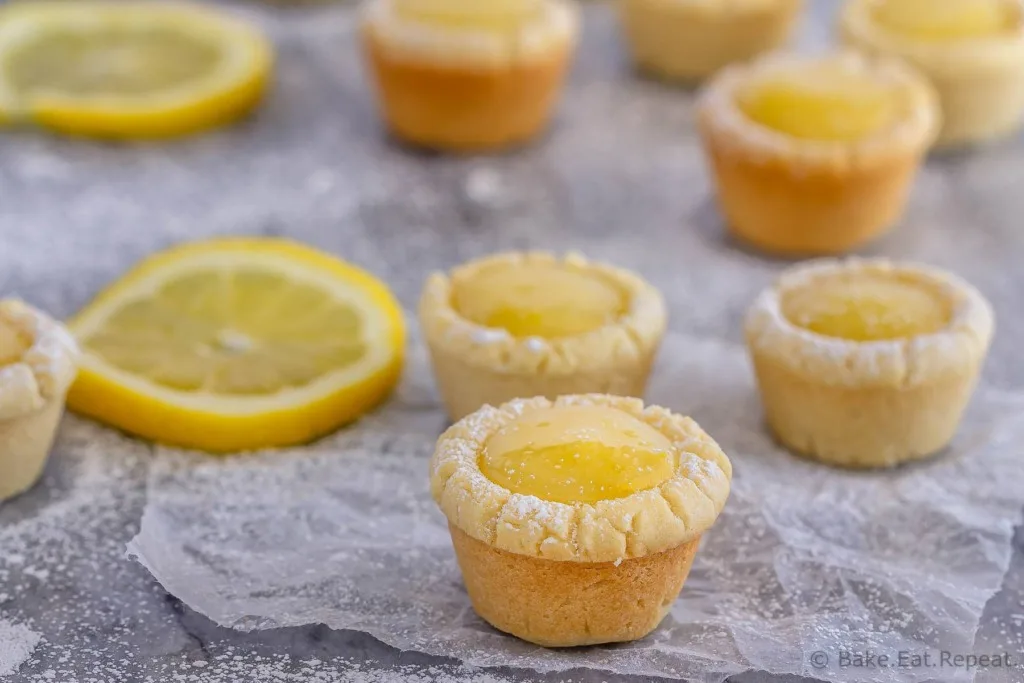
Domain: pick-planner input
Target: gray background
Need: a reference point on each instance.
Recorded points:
(621, 165)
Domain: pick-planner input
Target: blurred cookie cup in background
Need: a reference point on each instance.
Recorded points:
(465, 75)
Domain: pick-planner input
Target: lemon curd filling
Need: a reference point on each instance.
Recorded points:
(820, 102)
(492, 15)
(948, 20)
(542, 300)
(578, 454)
(867, 308)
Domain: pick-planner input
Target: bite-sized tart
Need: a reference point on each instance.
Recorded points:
(867, 363)
(815, 155)
(972, 50)
(533, 324)
(575, 522)
(37, 364)
(688, 40)
(465, 74)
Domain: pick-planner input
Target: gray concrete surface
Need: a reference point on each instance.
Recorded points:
(622, 163)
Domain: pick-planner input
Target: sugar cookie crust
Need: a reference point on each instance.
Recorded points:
(958, 58)
(556, 26)
(666, 516)
(632, 335)
(41, 373)
(906, 362)
(722, 120)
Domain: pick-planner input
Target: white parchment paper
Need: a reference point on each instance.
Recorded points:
(805, 564)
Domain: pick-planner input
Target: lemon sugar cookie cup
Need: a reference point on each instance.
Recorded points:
(37, 365)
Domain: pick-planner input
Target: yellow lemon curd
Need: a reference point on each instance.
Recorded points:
(542, 300)
(866, 308)
(488, 15)
(578, 454)
(948, 20)
(820, 102)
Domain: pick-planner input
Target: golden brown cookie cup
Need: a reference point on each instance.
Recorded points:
(566, 604)
(980, 82)
(570, 574)
(475, 365)
(451, 91)
(37, 365)
(796, 197)
(867, 404)
(689, 41)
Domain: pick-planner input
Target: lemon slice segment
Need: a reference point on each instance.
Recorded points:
(128, 71)
(237, 344)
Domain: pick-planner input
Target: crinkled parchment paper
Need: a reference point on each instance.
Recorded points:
(805, 559)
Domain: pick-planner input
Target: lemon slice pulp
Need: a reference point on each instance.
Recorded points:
(237, 344)
(820, 102)
(128, 70)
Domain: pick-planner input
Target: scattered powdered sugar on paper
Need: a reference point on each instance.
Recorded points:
(16, 645)
(804, 558)
(237, 666)
(59, 571)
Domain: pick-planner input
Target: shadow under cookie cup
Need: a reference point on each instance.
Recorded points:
(574, 574)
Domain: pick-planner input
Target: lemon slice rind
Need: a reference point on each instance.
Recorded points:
(229, 90)
(219, 423)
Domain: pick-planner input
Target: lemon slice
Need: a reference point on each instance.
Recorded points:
(127, 70)
(237, 344)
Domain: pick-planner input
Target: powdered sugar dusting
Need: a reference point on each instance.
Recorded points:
(535, 344)
(74, 544)
(233, 665)
(16, 645)
(529, 506)
(314, 165)
(488, 335)
(839, 559)
(51, 356)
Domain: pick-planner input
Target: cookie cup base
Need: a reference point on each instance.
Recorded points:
(979, 110)
(25, 443)
(861, 427)
(568, 604)
(808, 210)
(465, 387)
(459, 107)
(669, 41)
